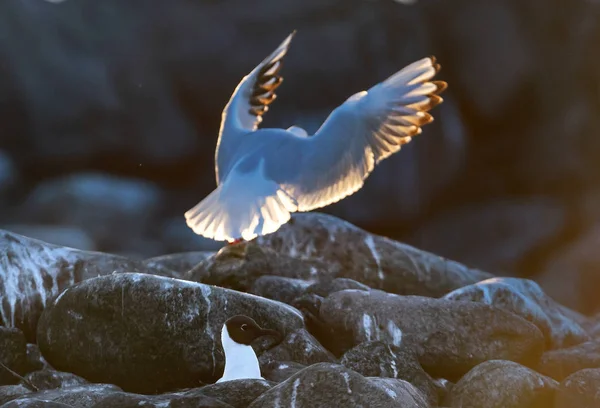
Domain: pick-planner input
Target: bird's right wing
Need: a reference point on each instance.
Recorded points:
(255, 92)
(367, 128)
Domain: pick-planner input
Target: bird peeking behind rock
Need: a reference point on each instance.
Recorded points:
(241, 362)
(263, 175)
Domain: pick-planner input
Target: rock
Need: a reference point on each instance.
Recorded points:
(559, 364)
(32, 272)
(525, 298)
(279, 371)
(82, 396)
(149, 334)
(60, 235)
(181, 262)
(49, 379)
(502, 384)
(13, 354)
(239, 266)
(375, 261)
(580, 390)
(238, 393)
(113, 210)
(379, 359)
(300, 347)
(35, 361)
(11, 392)
(450, 337)
(37, 403)
(127, 400)
(327, 385)
(281, 289)
(495, 236)
(325, 288)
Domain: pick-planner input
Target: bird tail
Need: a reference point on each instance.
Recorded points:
(243, 206)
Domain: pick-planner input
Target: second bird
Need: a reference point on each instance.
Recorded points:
(264, 175)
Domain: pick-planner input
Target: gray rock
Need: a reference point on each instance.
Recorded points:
(525, 298)
(279, 371)
(180, 262)
(560, 364)
(35, 360)
(278, 288)
(450, 337)
(375, 261)
(580, 390)
(37, 403)
(49, 379)
(239, 266)
(64, 236)
(238, 393)
(327, 385)
(502, 384)
(149, 334)
(13, 354)
(11, 392)
(326, 287)
(379, 359)
(178, 400)
(32, 272)
(81, 396)
(300, 347)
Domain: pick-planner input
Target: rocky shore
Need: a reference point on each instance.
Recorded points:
(366, 322)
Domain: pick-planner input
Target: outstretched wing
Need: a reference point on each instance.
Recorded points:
(367, 128)
(256, 91)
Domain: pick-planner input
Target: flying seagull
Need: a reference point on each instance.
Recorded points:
(264, 175)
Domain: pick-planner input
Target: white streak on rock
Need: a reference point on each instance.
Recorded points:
(371, 245)
(294, 393)
(367, 322)
(347, 380)
(395, 332)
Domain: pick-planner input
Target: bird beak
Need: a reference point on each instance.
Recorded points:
(274, 333)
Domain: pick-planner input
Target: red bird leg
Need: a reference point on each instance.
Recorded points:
(236, 241)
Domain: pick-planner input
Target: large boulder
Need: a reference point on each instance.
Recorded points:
(450, 337)
(146, 333)
(32, 272)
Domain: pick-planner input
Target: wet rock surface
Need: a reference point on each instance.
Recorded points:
(13, 355)
(449, 337)
(559, 364)
(580, 390)
(525, 298)
(513, 385)
(375, 261)
(380, 359)
(150, 333)
(84, 396)
(34, 271)
(326, 385)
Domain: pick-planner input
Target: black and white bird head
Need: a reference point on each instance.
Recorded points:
(237, 335)
(244, 330)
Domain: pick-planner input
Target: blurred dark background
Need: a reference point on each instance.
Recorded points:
(109, 112)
